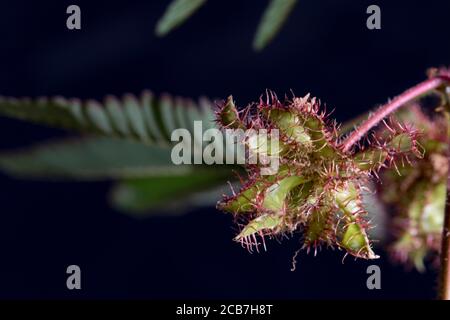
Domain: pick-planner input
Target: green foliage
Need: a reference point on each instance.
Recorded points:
(318, 188)
(176, 13)
(273, 19)
(271, 22)
(129, 138)
(144, 119)
(91, 159)
(170, 194)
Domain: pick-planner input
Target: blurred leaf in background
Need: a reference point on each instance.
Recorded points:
(275, 15)
(273, 19)
(176, 13)
(127, 139)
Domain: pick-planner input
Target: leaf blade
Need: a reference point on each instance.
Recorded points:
(91, 158)
(176, 13)
(142, 119)
(174, 194)
(273, 19)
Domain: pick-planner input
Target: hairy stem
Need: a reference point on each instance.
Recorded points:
(392, 106)
(444, 275)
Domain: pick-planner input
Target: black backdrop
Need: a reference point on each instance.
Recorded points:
(325, 48)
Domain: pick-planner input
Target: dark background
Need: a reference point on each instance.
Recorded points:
(325, 48)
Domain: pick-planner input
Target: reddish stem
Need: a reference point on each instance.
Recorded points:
(444, 274)
(392, 106)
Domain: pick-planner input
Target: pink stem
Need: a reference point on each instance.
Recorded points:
(392, 106)
(444, 274)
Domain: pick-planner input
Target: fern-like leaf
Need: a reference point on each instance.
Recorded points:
(176, 13)
(91, 158)
(140, 119)
(147, 178)
(170, 194)
(273, 19)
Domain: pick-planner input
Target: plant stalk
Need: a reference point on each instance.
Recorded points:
(444, 274)
(392, 106)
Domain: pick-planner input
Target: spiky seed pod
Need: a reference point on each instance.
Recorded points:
(318, 187)
(419, 194)
(228, 117)
(392, 144)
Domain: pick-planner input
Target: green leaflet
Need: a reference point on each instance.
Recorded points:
(176, 13)
(91, 158)
(134, 142)
(271, 22)
(273, 19)
(174, 194)
(141, 118)
(151, 180)
(56, 112)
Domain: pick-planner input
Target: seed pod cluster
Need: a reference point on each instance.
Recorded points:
(318, 188)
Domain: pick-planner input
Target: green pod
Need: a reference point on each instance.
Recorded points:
(370, 159)
(317, 131)
(262, 223)
(290, 124)
(402, 143)
(262, 145)
(275, 195)
(228, 115)
(374, 158)
(307, 130)
(244, 202)
(318, 228)
(432, 218)
(352, 234)
(425, 209)
(355, 241)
